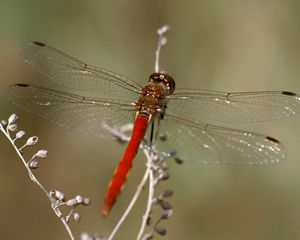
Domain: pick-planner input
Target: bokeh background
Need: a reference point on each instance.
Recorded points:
(213, 44)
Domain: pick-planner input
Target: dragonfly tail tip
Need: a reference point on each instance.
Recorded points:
(105, 211)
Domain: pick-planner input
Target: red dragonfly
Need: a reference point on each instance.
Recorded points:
(155, 106)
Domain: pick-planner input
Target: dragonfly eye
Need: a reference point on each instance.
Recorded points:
(164, 78)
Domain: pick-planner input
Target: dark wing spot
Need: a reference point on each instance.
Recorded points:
(22, 85)
(272, 139)
(288, 93)
(39, 44)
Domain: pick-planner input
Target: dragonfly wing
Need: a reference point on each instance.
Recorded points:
(240, 107)
(73, 73)
(82, 114)
(209, 144)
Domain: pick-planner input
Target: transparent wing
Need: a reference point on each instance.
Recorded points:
(209, 144)
(82, 114)
(237, 107)
(70, 72)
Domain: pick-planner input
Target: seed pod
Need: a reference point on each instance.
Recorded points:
(72, 202)
(160, 230)
(178, 160)
(148, 236)
(164, 176)
(12, 127)
(167, 213)
(76, 217)
(20, 134)
(32, 140)
(12, 118)
(41, 153)
(34, 164)
(167, 193)
(79, 199)
(86, 201)
(59, 195)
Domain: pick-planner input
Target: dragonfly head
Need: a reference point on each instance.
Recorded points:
(165, 79)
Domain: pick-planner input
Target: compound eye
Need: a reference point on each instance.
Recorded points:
(169, 81)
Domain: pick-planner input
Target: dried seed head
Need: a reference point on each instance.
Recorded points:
(85, 236)
(76, 217)
(12, 127)
(58, 195)
(178, 160)
(79, 199)
(72, 202)
(167, 213)
(160, 230)
(163, 137)
(163, 29)
(164, 176)
(34, 164)
(148, 236)
(86, 201)
(20, 134)
(165, 205)
(41, 153)
(3, 122)
(32, 140)
(167, 193)
(12, 118)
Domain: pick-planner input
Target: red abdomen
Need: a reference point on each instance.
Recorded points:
(120, 174)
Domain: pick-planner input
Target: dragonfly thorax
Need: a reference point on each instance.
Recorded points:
(153, 95)
(150, 103)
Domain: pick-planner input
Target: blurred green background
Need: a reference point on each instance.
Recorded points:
(213, 44)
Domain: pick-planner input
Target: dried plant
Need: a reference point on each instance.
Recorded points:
(56, 198)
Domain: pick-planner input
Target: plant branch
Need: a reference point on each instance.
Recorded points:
(55, 197)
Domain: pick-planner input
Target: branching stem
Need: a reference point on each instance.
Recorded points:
(37, 182)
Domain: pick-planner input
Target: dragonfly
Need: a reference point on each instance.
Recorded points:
(108, 100)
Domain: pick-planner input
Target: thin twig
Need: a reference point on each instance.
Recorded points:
(151, 193)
